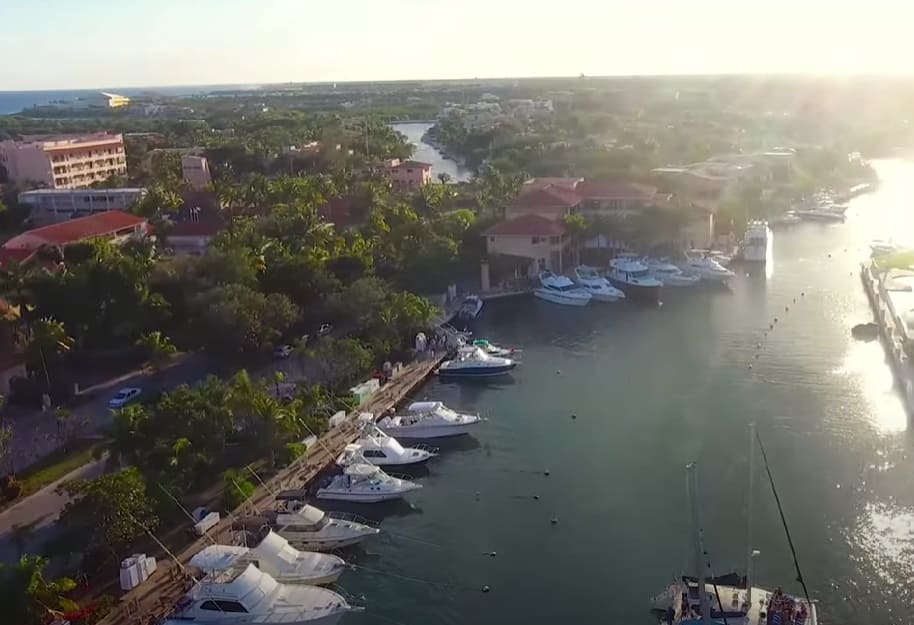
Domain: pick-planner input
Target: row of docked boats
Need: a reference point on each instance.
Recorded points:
(632, 277)
(274, 570)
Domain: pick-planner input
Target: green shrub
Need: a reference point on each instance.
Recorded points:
(237, 488)
(290, 453)
(10, 487)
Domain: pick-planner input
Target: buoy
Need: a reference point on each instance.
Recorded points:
(574, 416)
(546, 472)
(786, 308)
(536, 497)
(558, 372)
(485, 589)
(775, 319)
(750, 366)
(829, 255)
(555, 520)
(477, 495)
(771, 326)
(758, 346)
(492, 554)
(756, 356)
(802, 293)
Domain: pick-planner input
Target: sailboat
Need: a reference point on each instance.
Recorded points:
(730, 600)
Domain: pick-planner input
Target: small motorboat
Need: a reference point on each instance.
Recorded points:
(600, 289)
(365, 483)
(757, 242)
(428, 419)
(561, 290)
(310, 528)
(671, 275)
(471, 306)
(274, 555)
(492, 349)
(472, 361)
(865, 331)
(627, 273)
(383, 450)
(707, 268)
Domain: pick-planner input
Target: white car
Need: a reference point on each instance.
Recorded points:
(283, 351)
(124, 397)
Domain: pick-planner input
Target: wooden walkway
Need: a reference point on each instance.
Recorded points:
(153, 599)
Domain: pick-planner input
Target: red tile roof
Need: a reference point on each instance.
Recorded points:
(549, 196)
(529, 226)
(539, 183)
(76, 230)
(614, 190)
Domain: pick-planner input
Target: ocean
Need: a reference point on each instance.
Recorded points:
(15, 101)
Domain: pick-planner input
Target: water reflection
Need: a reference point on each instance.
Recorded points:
(886, 535)
(865, 366)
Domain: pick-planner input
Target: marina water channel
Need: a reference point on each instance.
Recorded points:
(653, 390)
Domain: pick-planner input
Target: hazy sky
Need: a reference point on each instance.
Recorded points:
(61, 44)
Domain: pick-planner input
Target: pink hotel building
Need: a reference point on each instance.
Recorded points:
(63, 161)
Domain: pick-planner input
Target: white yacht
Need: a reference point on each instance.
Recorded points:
(307, 527)
(247, 595)
(472, 361)
(365, 483)
(561, 290)
(628, 273)
(275, 556)
(380, 449)
(728, 599)
(600, 289)
(707, 268)
(756, 242)
(428, 419)
(671, 275)
(492, 349)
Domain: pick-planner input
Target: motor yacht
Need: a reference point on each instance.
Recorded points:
(627, 273)
(383, 450)
(471, 361)
(883, 248)
(707, 268)
(471, 306)
(600, 289)
(274, 555)
(561, 290)
(428, 419)
(671, 275)
(246, 595)
(787, 219)
(361, 482)
(756, 242)
(310, 528)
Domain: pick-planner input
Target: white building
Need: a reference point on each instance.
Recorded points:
(52, 205)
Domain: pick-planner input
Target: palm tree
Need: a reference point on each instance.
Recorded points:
(576, 226)
(157, 347)
(15, 281)
(48, 341)
(28, 598)
(61, 417)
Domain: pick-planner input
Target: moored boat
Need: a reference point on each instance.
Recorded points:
(471, 361)
(310, 528)
(600, 289)
(629, 274)
(560, 290)
(361, 482)
(427, 420)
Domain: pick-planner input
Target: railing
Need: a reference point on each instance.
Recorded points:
(353, 518)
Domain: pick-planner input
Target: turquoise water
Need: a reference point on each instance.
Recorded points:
(653, 390)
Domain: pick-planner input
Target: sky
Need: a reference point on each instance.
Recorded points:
(62, 44)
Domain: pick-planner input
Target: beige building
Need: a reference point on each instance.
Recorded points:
(195, 171)
(537, 239)
(63, 161)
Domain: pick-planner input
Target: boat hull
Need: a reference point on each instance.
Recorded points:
(426, 432)
(558, 298)
(372, 497)
(638, 293)
(476, 372)
(607, 298)
(378, 462)
(305, 542)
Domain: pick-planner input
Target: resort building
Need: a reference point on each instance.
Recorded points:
(538, 241)
(52, 205)
(62, 161)
(116, 226)
(407, 175)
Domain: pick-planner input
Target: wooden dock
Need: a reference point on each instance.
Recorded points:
(154, 598)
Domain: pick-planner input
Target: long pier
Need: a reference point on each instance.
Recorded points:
(154, 598)
(893, 336)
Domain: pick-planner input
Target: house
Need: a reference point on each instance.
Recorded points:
(195, 172)
(549, 200)
(407, 175)
(53, 205)
(618, 198)
(539, 240)
(116, 226)
(188, 238)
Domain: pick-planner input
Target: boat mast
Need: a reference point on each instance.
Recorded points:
(750, 551)
(692, 487)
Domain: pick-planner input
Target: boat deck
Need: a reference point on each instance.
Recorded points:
(154, 598)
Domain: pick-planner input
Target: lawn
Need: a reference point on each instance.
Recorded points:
(53, 467)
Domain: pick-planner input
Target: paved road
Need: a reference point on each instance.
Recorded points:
(39, 513)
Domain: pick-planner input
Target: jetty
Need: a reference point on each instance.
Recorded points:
(880, 285)
(153, 599)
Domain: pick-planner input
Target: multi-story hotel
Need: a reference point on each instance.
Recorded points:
(63, 161)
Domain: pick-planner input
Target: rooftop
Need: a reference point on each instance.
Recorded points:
(549, 196)
(615, 190)
(70, 139)
(527, 225)
(74, 230)
(419, 164)
(82, 191)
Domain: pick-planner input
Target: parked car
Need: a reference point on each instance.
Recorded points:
(125, 396)
(283, 351)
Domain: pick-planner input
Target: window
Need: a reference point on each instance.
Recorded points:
(373, 453)
(222, 606)
(555, 240)
(536, 240)
(491, 239)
